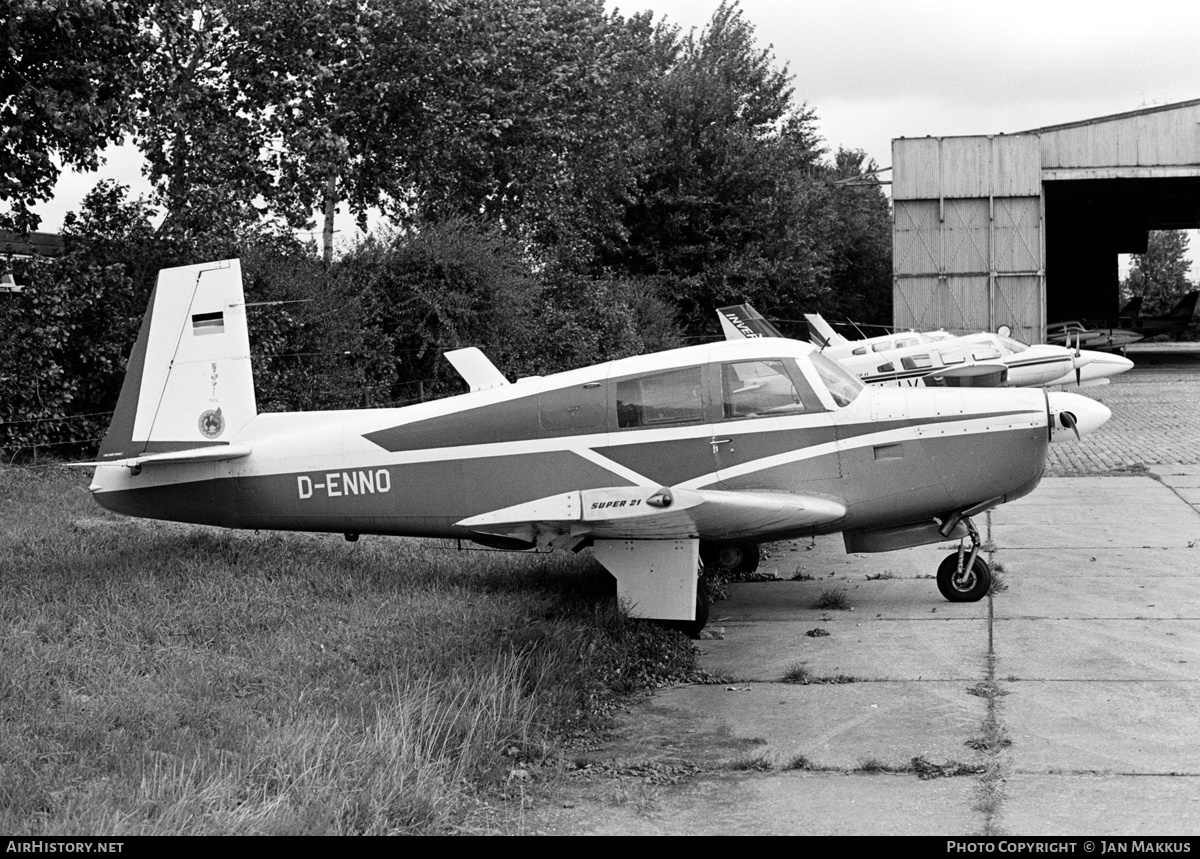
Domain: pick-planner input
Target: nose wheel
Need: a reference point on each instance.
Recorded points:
(964, 576)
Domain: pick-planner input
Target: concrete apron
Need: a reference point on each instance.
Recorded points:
(1074, 709)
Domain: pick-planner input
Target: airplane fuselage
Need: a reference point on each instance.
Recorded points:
(890, 456)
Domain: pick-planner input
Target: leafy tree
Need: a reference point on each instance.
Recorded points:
(342, 87)
(732, 203)
(1160, 275)
(860, 277)
(66, 337)
(67, 71)
(198, 125)
(531, 120)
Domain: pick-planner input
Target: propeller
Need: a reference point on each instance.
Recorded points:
(1069, 421)
(1075, 359)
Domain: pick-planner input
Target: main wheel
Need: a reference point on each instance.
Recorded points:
(971, 586)
(730, 558)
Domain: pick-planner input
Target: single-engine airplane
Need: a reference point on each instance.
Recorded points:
(654, 461)
(939, 359)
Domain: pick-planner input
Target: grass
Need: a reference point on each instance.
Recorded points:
(833, 599)
(799, 674)
(169, 679)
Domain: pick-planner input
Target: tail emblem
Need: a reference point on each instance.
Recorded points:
(212, 423)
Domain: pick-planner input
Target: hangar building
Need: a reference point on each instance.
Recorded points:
(1024, 229)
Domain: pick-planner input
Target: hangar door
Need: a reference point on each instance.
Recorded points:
(968, 238)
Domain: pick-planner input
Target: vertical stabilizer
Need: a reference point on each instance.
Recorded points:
(188, 383)
(741, 321)
(821, 333)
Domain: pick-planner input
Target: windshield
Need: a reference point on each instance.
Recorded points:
(842, 386)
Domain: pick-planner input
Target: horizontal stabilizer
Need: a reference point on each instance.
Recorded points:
(476, 369)
(649, 513)
(214, 453)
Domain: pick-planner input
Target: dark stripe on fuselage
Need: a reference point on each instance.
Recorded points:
(418, 499)
(512, 420)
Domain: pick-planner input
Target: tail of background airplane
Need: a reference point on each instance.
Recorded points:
(188, 383)
(1133, 309)
(1186, 306)
(821, 332)
(742, 321)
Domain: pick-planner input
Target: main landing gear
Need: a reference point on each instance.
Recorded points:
(964, 576)
(729, 557)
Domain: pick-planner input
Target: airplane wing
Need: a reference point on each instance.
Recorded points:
(984, 374)
(649, 513)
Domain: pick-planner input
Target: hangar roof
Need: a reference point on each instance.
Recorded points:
(1156, 142)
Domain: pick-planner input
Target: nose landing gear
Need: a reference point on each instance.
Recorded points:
(964, 576)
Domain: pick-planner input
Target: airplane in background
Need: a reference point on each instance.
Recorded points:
(1130, 327)
(742, 320)
(655, 462)
(940, 359)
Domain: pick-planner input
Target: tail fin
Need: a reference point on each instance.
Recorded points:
(821, 333)
(188, 383)
(741, 321)
(1186, 306)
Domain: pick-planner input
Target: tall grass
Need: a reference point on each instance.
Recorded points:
(161, 678)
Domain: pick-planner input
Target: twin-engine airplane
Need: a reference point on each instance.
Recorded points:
(1130, 327)
(654, 461)
(939, 359)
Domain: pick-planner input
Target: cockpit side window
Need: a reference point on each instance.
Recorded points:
(761, 389)
(660, 399)
(843, 387)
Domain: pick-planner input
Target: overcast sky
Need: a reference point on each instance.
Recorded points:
(875, 70)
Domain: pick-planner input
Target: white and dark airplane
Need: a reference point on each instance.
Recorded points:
(655, 461)
(1129, 327)
(940, 359)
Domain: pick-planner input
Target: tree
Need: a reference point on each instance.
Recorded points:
(860, 276)
(197, 124)
(1160, 275)
(731, 206)
(67, 71)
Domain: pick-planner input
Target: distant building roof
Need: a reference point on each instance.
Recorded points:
(31, 244)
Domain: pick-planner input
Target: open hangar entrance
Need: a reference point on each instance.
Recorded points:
(1026, 229)
(1089, 222)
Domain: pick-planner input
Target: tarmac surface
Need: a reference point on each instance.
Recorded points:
(1066, 704)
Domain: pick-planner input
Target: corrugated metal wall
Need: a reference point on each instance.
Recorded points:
(1150, 138)
(969, 230)
(968, 234)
